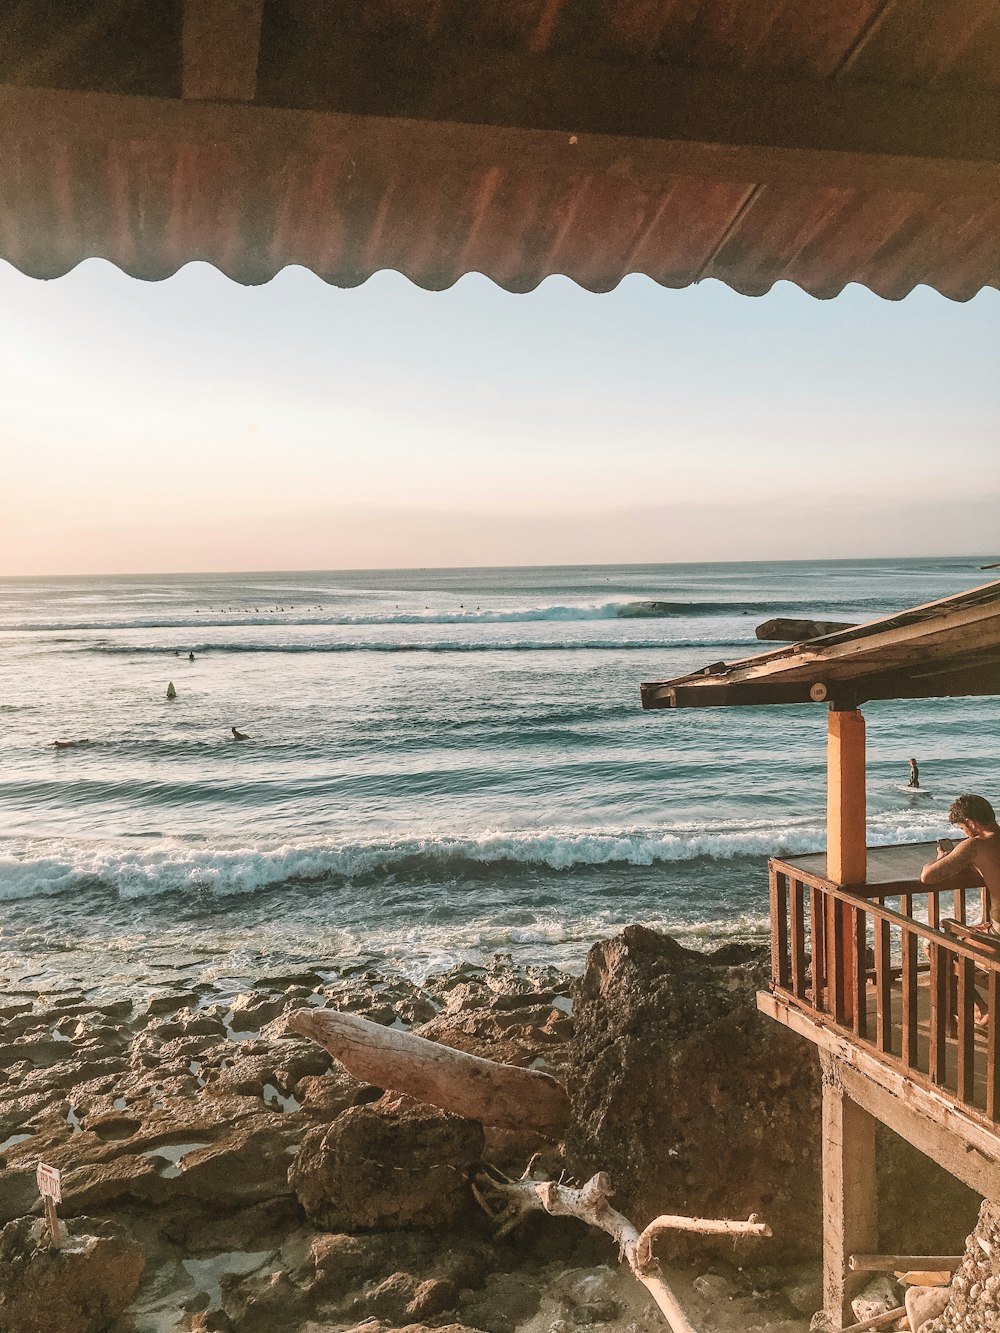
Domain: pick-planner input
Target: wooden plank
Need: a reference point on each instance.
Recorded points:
(883, 986)
(901, 1263)
(955, 1138)
(850, 1207)
(797, 935)
(939, 995)
(908, 983)
(779, 928)
(32, 115)
(835, 960)
(993, 1047)
(965, 1079)
(221, 45)
(934, 909)
(959, 905)
(817, 913)
(857, 956)
(467, 82)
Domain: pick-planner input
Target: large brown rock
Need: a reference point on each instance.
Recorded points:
(690, 1099)
(391, 1163)
(80, 1288)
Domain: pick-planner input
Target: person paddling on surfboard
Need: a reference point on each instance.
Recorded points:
(239, 735)
(914, 774)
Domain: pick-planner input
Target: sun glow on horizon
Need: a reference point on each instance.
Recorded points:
(195, 425)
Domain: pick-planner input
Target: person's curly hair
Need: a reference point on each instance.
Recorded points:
(975, 808)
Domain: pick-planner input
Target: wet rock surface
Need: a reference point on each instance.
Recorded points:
(690, 1099)
(974, 1297)
(394, 1162)
(267, 1190)
(80, 1287)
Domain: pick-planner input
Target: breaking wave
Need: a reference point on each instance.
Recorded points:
(34, 867)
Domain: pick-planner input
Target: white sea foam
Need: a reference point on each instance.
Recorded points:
(34, 867)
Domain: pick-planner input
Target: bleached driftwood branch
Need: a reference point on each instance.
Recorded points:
(510, 1201)
(478, 1089)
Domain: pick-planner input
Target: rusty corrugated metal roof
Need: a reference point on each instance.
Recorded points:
(516, 138)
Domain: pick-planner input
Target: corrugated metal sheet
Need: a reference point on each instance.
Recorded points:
(356, 188)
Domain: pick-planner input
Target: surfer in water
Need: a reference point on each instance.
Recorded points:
(914, 774)
(239, 735)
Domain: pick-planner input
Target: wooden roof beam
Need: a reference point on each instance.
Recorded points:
(978, 678)
(31, 119)
(221, 45)
(448, 81)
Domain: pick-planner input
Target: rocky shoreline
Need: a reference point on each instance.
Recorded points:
(219, 1174)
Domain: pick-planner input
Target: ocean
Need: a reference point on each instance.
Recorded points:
(441, 765)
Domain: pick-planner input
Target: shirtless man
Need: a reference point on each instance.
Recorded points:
(979, 851)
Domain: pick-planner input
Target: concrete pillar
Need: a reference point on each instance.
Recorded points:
(850, 1194)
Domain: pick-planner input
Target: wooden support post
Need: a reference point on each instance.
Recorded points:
(846, 843)
(846, 826)
(850, 1203)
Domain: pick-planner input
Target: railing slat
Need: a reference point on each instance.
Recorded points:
(883, 986)
(835, 977)
(934, 909)
(857, 955)
(797, 931)
(965, 1081)
(993, 1047)
(908, 1034)
(779, 928)
(960, 905)
(940, 987)
(817, 915)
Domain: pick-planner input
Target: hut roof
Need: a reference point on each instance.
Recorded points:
(745, 140)
(949, 647)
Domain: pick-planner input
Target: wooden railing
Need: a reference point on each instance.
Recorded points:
(877, 964)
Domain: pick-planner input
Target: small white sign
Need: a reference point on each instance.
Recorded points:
(49, 1182)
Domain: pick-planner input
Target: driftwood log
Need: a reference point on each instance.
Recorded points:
(494, 1094)
(508, 1202)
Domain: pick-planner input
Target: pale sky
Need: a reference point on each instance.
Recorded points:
(197, 425)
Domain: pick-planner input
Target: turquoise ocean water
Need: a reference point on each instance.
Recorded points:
(442, 764)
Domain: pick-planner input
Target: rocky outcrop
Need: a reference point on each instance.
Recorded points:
(797, 631)
(974, 1304)
(691, 1100)
(393, 1163)
(80, 1288)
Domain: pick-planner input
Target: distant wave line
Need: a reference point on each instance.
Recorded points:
(522, 615)
(438, 646)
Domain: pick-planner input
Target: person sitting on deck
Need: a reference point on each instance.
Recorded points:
(979, 853)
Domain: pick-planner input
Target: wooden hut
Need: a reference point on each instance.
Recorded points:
(862, 965)
(745, 140)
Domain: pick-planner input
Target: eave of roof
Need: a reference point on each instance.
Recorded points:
(771, 140)
(949, 647)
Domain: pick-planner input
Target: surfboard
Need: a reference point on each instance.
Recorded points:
(914, 791)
